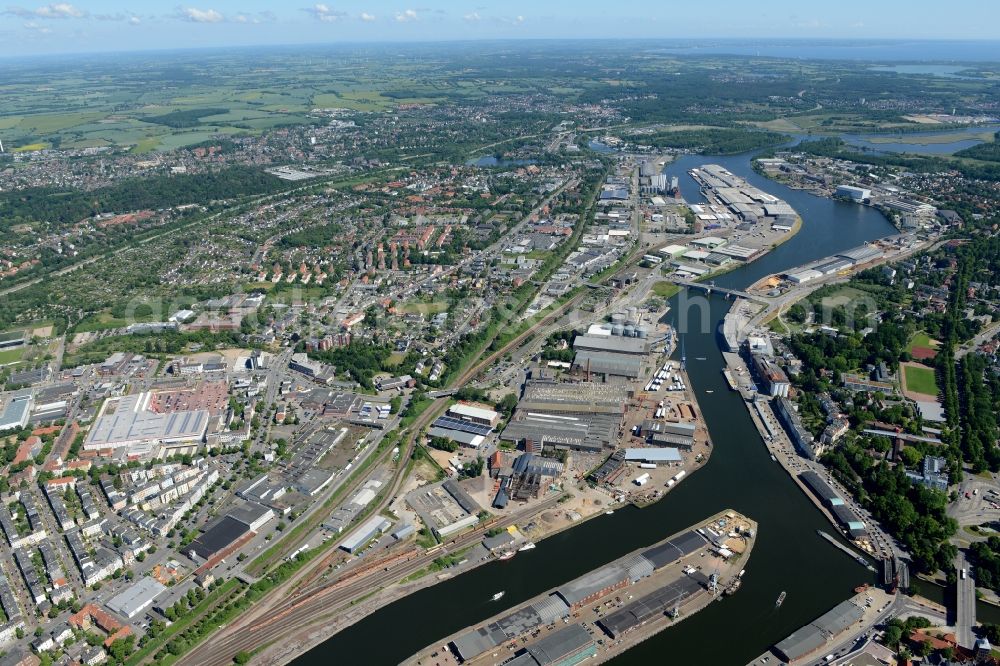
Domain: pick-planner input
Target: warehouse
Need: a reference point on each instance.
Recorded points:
(586, 397)
(217, 537)
(137, 598)
(607, 364)
(128, 422)
(474, 413)
(670, 551)
(819, 632)
(657, 455)
(539, 613)
(847, 519)
(801, 277)
(738, 252)
(371, 528)
(602, 581)
(649, 607)
(833, 266)
(863, 254)
(466, 439)
(614, 344)
(15, 415)
(569, 645)
(576, 431)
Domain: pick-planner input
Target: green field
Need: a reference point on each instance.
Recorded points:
(920, 380)
(665, 289)
(921, 339)
(423, 307)
(11, 355)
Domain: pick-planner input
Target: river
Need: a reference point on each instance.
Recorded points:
(788, 556)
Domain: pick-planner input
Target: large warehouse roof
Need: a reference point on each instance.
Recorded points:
(664, 454)
(631, 569)
(611, 343)
(137, 598)
(608, 363)
(131, 422)
(586, 397)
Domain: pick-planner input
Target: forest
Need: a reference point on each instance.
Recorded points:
(56, 205)
(721, 141)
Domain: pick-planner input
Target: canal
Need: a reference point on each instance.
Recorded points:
(789, 556)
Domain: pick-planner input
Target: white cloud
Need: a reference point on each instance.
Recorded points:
(406, 16)
(472, 17)
(59, 10)
(323, 12)
(134, 20)
(40, 29)
(201, 15)
(366, 17)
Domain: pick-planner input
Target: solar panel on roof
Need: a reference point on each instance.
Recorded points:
(463, 426)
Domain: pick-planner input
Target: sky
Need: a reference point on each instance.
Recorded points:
(30, 28)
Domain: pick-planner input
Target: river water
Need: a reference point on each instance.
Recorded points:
(789, 556)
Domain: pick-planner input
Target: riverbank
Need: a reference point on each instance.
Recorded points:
(877, 544)
(654, 587)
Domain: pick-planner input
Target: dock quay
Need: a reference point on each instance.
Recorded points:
(610, 609)
(860, 559)
(833, 633)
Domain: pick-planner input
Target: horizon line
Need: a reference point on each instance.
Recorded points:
(453, 41)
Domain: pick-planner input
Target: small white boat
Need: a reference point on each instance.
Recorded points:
(709, 391)
(499, 595)
(609, 512)
(528, 546)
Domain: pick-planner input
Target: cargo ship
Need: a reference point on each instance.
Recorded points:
(781, 600)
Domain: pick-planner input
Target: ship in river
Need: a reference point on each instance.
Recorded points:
(781, 600)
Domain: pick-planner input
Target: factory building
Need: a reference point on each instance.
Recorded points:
(134, 427)
(773, 378)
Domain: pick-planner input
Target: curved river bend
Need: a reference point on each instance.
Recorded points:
(788, 556)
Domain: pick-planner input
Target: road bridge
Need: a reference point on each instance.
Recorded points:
(965, 603)
(709, 287)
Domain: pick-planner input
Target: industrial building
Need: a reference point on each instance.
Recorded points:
(820, 631)
(773, 378)
(580, 397)
(129, 423)
(657, 455)
(368, 530)
(137, 598)
(847, 519)
(15, 414)
(607, 364)
(569, 645)
(652, 606)
(852, 192)
(474, 413)
(577, 431)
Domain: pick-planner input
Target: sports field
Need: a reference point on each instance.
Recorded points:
(920, 380)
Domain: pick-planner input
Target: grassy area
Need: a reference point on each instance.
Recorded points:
(665, 289)
(921, 339)
(920, 380)
(11, 355)
(423, 307)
